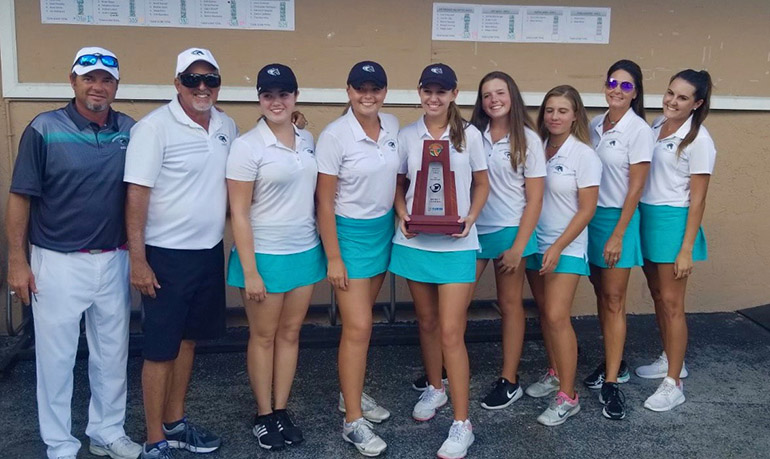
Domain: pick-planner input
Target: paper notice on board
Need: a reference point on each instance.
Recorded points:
(516, 23)
(588, 25)
(67, 11)
(229, 14)
(500, 23)
(455, 21)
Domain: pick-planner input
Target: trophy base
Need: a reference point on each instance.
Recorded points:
(434, 224)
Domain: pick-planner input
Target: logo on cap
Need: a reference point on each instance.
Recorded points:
(197, 52)
(437, 70)
(273, 71)
(368, 68)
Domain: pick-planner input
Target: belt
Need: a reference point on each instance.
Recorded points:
(98, 251)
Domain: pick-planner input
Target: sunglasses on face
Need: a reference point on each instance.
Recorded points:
(625, 86)
(88, 60)
(193, 80)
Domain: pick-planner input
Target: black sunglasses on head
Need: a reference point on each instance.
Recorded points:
(193, 80)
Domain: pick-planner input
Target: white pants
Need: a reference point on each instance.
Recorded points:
(68, 285)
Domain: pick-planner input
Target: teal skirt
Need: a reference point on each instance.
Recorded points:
(567, 264)
(281, 273)
(365, 244)
(433, 267)
(662, 231)
(599, 231)
(494, 244)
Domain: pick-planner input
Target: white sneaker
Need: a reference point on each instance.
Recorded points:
(370, 409)
(430, 400)
(459, 440)
(667, 397)
(548, 384)
(658, 369)
(360, 434)
(559, 410)
(122, 448)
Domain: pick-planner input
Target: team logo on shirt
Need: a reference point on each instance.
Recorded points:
(670, 146)
(612, 143)
(274, 71)
(121, 140)
(309, 151)
(507, 154)
(391, 144)
(435, 187)
(222, 139)
(435, 149)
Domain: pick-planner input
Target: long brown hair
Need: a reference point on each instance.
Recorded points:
(701, 81)
(456, 127)
(633, 69)
(580, 126)
(518, 118)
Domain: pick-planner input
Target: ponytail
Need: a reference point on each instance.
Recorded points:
(701, 81)
(456, 127)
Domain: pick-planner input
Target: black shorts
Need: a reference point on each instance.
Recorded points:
(190, 305)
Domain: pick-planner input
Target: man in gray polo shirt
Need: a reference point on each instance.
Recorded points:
(66, 200)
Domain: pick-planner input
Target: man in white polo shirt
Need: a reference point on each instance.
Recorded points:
(175, 217)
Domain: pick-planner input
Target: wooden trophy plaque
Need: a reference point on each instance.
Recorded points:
(434, 207)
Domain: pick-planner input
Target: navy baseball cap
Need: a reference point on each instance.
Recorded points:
(440, 74)
(367, 71)
(276, 76)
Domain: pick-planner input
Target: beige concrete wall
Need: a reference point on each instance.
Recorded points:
(737, 217)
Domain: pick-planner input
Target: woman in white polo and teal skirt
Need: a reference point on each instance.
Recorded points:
(506, 225)
(623, 140)
(271, 177)
(357, 163)
(571, 190)
(672, 209)
(441, 269)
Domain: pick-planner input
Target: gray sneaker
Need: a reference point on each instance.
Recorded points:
(559, 410)
(548, 384)
(160, 451)
(360, 434)
(369, 407)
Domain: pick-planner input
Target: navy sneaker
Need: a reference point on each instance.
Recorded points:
(186, 435)
(292, 435)
(267, 433)
(502, 395)
(614, 401)
(161, 450)
(596, 379)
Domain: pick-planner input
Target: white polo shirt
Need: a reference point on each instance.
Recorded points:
(185, 166)
(463, 164)
(574, 166)
(669, 181)
(283, 203)
(507, 197)
(366, 169)
(630, 141)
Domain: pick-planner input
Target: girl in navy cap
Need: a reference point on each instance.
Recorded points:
(271, 178)
(441, 269)
(672, 208)
(357, 165)
(507, 223)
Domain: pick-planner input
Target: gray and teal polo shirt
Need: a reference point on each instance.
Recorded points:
(72, 171)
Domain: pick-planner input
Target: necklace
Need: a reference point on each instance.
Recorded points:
(550, 145)
(612, 123)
